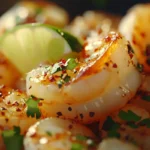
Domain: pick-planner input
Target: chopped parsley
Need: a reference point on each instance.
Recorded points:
(145, 122)
(32, 107)
(13, 139)
(140, 67)
(81, 137)
(111, 127)
(129, 116)
(77, 146)
(146, 98)
(72, 63)
(48, 133)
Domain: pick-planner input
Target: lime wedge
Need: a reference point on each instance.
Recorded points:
(26, 46)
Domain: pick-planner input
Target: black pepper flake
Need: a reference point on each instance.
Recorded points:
(59, 114)
(6, 119)
(91, 114)
(30, 87)
(81, 116)
(69, 108)
(148, 61)
(70, 126)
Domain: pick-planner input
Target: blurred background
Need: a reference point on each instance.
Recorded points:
(75, 7)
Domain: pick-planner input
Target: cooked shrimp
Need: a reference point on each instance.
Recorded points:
(96, 86)
(115, 144)
(130, 124)
(30, 12)
(13, 111)
(82, 26)
(57, 134)
(8, 73)
(135, 27)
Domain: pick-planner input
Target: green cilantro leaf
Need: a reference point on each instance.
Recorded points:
(67, 79)
(32, 108)
(140, 67)
(49, 133)
(129, 116)
(145, 122)
(109, 124)
(71, 64)
(81, 137)
(113, 133)
(77, 146)
(146, 98)
(132, 125)
(13, 139)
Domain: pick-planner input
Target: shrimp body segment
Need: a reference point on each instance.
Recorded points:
(135, 27)
(103, 81)
(55, 134)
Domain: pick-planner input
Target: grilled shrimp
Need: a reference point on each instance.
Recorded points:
(131, 124)
(57, 134)
(83, 25)
(31, 12)
(6, 71)
(135, 27)
(13, 111)
(115, 144)
(96, 85)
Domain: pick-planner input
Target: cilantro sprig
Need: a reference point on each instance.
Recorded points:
(13, 139)
(32, 107)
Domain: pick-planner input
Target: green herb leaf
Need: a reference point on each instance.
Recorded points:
(146, 98)
(67, 79)
(145, 122)
(32, 108)
(49, 133)
(132, 125)
(140, 67)
(129, 116)
(77, 146)
(113, 133)
(81, 137)
(109, 124)
(12, 139)
(71, 64)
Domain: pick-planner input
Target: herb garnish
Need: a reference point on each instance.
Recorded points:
(140, 67)
(129, 116)
(48, 133)
(77, 146)
(146, 98)
(13, 139)
(32, 107)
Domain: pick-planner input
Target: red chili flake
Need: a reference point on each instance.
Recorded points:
(6, 119)
(3, 113)
(70, 126)
(108, 39)
(16, 104)
(63, 61)
(143, 34)
(107, 64)
(115, 65)
(39, 104)
(18, 109)
(51, 79)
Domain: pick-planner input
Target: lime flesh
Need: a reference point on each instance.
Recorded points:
(27, 46)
